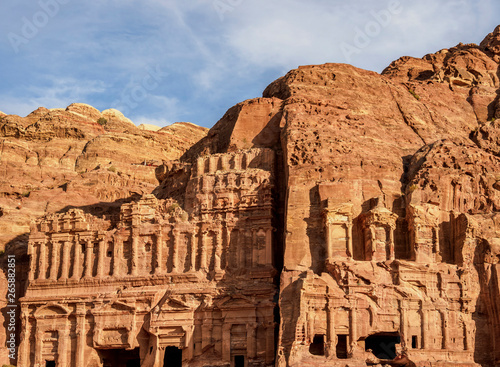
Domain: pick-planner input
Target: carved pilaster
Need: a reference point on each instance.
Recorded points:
(331, 340)
(270, 342)
(117, 255)
(100, 258)
(134, 251)
(251, 340)
(23, 358)
(65, 260)
(218, 249)
(159, 252)
(80, 334)
(203, 254)
(226, 343)
(42, 262)
(89, 249)
(38, 347)
(62, 350)
(54, 268)
(32, 253)
(175, 250)
(192, 266)
(77, 271)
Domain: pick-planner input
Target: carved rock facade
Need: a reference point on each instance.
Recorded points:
(158, 283)
(344, 218)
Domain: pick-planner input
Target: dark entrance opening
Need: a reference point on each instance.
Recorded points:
(341, 348)
(50, 363)
(173, 357)
(120, 358)
(133, 363)
(239, 361)
(383, 345)
(317, 347)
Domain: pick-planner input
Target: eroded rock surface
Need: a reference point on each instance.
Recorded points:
(77, 156)
(342, 219)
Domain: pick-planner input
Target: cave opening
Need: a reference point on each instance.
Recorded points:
(317, 347)
(383, 345)
(173, 357)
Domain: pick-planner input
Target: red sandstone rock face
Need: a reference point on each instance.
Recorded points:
(385, 194)
(52, 159)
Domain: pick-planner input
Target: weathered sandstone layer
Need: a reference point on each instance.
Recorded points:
(344, 218)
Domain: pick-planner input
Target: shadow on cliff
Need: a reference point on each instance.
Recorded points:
(487, 306)
(15, 249)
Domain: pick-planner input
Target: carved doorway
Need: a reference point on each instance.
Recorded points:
(383, 345)
(50, 364)
(239, 361)
(173, 357)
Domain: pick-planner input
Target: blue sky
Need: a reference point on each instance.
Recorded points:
(165, 61)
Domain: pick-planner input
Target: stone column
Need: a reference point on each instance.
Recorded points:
(117, 251)
(206, 334)
(310, 325)
(353, 327)
(23, 352)
(189, 342)
(89, 249)
(80, 334)
(227, 239)
(425, 328)
(53, 262)
(38, 347)
(331, 340)
(203, 254)
(403, 309)
(100, 258)
(251, 341)
(391, 243)
(200, 166)
(270, 343)
(175, 251)
(42, 262)
(253, 249)
(444, 327)
(65, 260)
(193, 252)
(218, 249)
(135, 249)
(32, 253)
(77, 271)
(269, 246)
(62, 350)
(349, 241)
(226, 343)
(159, 252)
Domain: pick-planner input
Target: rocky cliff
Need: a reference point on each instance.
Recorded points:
(78, 156)
(384, 190)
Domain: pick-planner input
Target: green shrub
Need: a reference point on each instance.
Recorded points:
(112, 169)
(102, 121)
